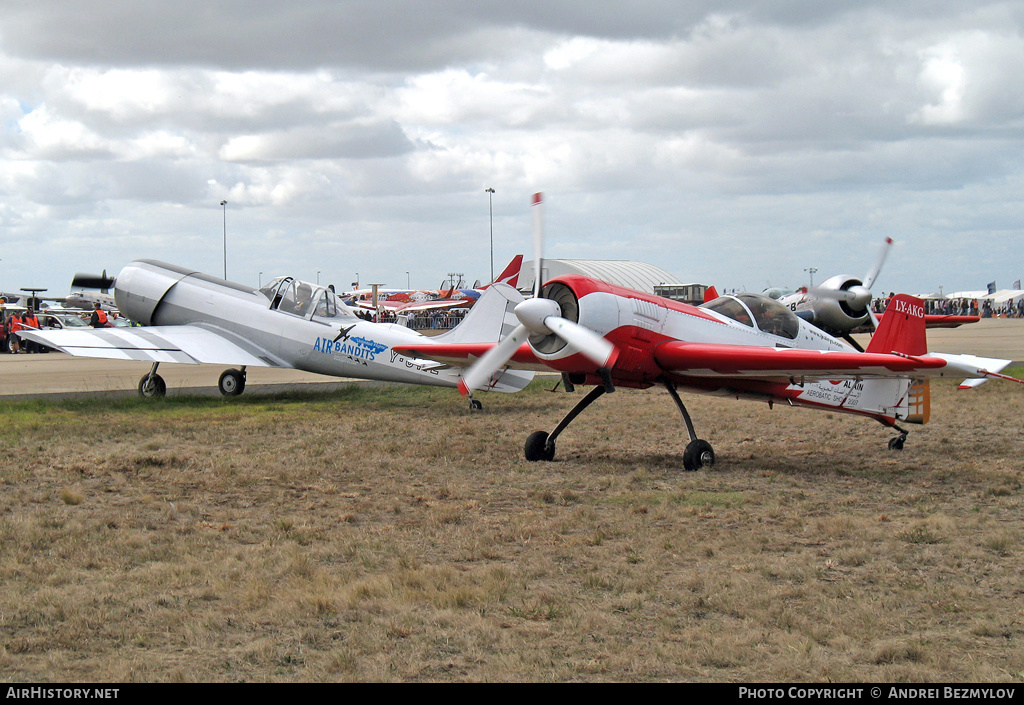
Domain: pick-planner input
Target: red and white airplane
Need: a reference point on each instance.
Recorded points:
(747, 346)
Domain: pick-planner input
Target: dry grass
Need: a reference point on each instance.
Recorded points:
(388, 534)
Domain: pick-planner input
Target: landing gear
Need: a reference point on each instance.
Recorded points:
(231, 382)
(475, 405)
(541, 446)
(699, 453)
(896, 443)
(537, 447)
(152, 385)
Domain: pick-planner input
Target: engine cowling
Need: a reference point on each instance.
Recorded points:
(141, 286)
(839, 304)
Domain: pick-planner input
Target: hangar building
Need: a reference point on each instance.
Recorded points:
(635, 275)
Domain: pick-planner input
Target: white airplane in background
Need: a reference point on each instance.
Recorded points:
(87, 300)
(190, 317)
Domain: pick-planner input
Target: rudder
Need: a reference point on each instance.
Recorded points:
(902, 329)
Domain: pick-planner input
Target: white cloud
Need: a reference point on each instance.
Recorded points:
(655, 131)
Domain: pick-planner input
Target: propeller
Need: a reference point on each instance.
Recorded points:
(857, 297)
(538, 317)
(93, 281)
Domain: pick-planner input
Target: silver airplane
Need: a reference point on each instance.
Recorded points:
(190, 317)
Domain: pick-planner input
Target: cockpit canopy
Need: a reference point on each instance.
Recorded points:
(759, 312)
(303, 299)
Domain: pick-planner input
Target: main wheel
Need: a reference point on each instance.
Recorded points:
(698, 454)
(537, 447)
(897, 443)
(152, 386)
(475, 405)
(231, 383)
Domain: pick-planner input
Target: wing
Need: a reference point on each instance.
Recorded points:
(465, 354)
(440, 304)
(942, 320)
(192, 344)
(786, 364)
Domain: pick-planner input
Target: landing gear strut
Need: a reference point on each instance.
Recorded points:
(699, 453)
(541, 446)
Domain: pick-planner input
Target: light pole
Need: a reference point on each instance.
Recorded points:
(407, 286)
(812, 270)
(261, 280)
(318, 277)
(224, 206)
(490, 213)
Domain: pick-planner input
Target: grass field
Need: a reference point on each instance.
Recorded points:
(388, 534)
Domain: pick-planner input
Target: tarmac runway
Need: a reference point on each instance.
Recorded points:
(28, 376)
(58, 374)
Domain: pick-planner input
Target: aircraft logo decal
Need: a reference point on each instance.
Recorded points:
(361, 348)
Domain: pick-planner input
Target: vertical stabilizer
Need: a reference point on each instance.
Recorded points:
(510, 275)
(902, 329)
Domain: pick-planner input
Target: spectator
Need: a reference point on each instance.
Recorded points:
(99, 317)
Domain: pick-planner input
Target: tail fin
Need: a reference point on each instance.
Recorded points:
(902, 329)
(710, 294)
(510, 275)
(490, 319)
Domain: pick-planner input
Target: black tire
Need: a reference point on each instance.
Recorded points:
(537, 447)
(231, 383)
(152, 386)
(896, 443)
(698, 454)
(475, 405)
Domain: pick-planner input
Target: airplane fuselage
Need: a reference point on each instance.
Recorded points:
(637, 323)
(325, 337)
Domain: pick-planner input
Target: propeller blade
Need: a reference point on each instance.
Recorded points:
(869, 278)
(481, 371)
(874, 321)
(92, 281)
(538, 243)
(595, 348)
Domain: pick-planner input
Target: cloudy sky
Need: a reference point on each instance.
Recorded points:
(731, 142)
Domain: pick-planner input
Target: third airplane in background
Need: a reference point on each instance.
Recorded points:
(746, 347)
(841, 304)
(409, 300)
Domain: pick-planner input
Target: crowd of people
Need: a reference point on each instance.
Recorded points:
(28, 319)
(963, 307)
(417, 320)
(11, 323)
